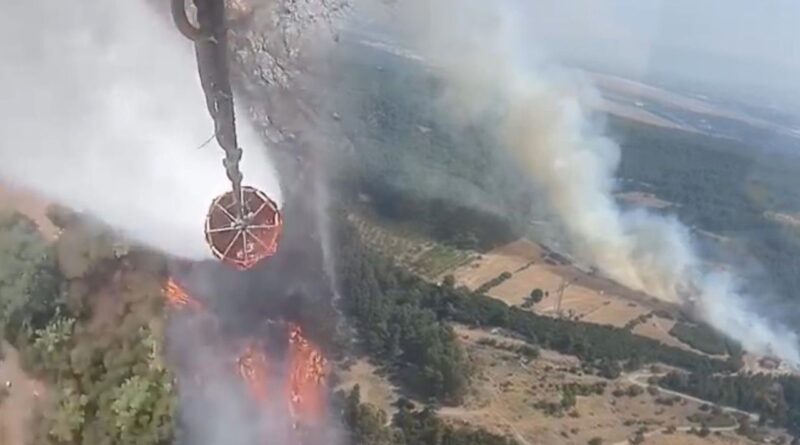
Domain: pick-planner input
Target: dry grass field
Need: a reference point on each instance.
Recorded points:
(512, 257)
(507, 392)
(586, 297)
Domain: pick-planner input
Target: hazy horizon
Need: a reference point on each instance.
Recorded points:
(743, 49)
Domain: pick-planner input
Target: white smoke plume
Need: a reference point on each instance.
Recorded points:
(101, 109)
(495, 75)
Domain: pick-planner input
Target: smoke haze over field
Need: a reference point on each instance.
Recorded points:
(102, 110)
(534, 109)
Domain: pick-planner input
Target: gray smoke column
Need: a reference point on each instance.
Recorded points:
(101, 109)
(496, 78)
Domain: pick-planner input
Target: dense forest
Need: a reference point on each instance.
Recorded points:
(86, 314)
(722, 186)
(705, 339)
(86, 311)
(376, 293)
(407, 157)
(394, 325)
(101, 361)
(714, 180)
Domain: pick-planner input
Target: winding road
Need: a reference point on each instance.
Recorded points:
(640, 378)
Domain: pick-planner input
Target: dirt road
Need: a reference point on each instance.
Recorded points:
(640, 379)
(18, 407)
(682, 429)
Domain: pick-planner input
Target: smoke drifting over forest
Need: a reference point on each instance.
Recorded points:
(102, 111)
(496, 78)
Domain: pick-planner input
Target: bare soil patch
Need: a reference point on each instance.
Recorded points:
(374, 388)
(658, 328)
(511, 258)
(692, 439)
(507, 389)
(24, 396)
(587, 296)
(515, 290)
(643, 199)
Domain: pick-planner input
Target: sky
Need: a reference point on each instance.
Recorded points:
(749, 47)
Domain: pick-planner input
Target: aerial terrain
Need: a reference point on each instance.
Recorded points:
(428, 288)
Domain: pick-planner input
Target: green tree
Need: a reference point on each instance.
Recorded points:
(139, 411)
(51, 346)
(449, 281)
(568, 399)
(111, 385)
(637, 438)
(67, 418)
(366, 423)
(29, 280)
(634, 391)
(83, 249)
(537, 295)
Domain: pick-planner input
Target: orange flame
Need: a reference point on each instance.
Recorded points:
(307, 373)
(177, 297)
(253, 369)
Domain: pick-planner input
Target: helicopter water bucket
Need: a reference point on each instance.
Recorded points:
(243, 241)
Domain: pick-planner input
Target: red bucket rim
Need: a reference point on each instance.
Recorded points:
(243, 246)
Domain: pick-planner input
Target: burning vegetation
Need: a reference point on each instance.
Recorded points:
(252, 367)
(285, 371)
(178, 298)
(307, 372)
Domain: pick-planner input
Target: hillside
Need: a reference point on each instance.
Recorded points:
(533, 379)
(522, 374)
(425, 290)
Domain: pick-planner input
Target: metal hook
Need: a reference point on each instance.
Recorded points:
(186, 28)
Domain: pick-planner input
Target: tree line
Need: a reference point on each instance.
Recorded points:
(776, 398)
(386, 306)
(403, 322)
(722, 186)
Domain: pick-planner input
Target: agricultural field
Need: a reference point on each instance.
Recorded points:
(568, 291)
(512, 271)
(423, 256)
